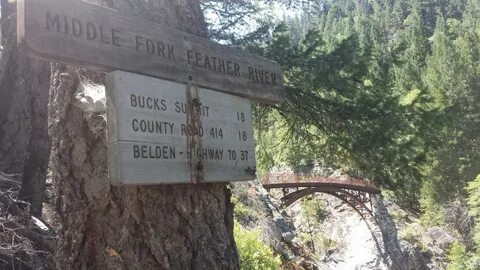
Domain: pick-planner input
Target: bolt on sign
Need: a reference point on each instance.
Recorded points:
(87, 34)
(153, 138)
(191, 123)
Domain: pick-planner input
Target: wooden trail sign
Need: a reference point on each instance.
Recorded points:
(103, 39)
(153, 138)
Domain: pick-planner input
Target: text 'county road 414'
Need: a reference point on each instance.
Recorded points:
(83, 33)
(148, 132)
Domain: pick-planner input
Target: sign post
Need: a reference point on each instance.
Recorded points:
(191, 123)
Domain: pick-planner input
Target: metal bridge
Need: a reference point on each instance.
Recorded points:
(354, 192)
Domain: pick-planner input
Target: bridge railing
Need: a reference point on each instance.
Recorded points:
(297, 179)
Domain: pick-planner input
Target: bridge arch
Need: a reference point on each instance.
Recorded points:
(354, 192)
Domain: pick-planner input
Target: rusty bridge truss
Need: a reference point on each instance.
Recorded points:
(354, 192)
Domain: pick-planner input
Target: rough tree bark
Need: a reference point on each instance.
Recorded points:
(151, 227)
(24, 142)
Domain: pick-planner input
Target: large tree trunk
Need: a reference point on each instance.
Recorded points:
(144, 227)
(24, 142)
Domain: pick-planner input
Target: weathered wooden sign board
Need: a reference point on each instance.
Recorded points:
(159, 131)
(101, 38)
(153, 137)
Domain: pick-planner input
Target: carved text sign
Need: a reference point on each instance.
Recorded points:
(87, 34)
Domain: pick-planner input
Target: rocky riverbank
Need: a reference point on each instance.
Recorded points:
(336, 237)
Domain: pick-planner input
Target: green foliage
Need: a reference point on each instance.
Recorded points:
(410, 98)
(240, 210)
(385, 90)
(254, 254)
(320, 241)
(314, 209)
(432, 211)
(325, 243)
(473, 200)
(412, 233)
(246, 208)
(398, 216)
(458, 257)
(305, 237)
(450, 78)
(277, 146)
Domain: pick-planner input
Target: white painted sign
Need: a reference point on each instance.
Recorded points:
(153, 139)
